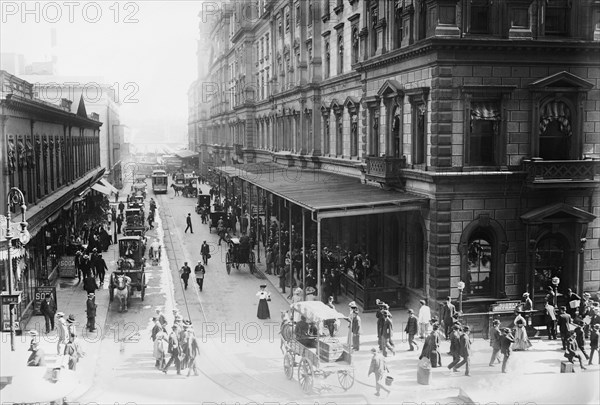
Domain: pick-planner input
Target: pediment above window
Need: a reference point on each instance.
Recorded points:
(557, 213)
(561, 80)
(391, 88)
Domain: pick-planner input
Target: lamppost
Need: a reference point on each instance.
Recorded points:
(461, 286)
(15, 198)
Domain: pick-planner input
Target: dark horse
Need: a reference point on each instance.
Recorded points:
(178, 188)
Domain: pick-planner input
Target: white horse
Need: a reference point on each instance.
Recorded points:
(122, 290)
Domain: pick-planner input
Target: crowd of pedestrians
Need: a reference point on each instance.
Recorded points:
(177, 345)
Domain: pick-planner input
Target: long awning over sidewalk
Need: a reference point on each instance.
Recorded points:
(325, 194)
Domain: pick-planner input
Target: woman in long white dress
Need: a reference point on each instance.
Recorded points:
(521, 339)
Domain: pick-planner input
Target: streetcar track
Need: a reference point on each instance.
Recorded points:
(251, 385)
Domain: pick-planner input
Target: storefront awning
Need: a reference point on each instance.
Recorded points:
(100, 188)
(109, 186)
(325, 194)
(185, 154)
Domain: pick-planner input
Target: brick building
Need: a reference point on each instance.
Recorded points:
(53, 156)
(487, 111)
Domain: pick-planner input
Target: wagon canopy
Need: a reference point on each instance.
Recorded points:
(316, 311)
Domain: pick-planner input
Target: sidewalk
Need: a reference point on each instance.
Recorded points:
(71, 300)
(537, 367)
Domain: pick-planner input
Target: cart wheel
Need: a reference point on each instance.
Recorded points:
(288, 365)
(143, 286)
(305, 375)
(346, 378)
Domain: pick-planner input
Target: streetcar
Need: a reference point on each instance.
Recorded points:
(160, 181)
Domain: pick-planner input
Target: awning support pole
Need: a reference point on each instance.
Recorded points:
(304, 254)
(257, 231)
(290, 247)
(319, 259)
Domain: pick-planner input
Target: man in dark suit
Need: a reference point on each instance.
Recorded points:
(411, 329)
(89, 284)
(465, 351)
(495, 341)
(91, 312)
(564, 320)
(506, 339)
(101, 268)
(454, 346)
(188, 221)
(48, 309)
(447, 316)
(173, 351)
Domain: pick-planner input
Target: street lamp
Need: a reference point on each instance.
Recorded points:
(15, 198)
(461, 286)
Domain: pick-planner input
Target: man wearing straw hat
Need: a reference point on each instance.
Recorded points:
(62, 331)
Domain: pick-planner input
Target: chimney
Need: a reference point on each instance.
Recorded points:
(66, 104)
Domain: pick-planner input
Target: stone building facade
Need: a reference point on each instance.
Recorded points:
(489, 110)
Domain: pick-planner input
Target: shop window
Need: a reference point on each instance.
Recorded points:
(556, 18)
(550, 261)
(484, 131)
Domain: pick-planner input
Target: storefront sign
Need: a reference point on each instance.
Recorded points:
(6, 317)
(8, 299)
(40, 294)
(66, 266)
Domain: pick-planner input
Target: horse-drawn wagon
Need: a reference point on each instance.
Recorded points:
(134, 222)
(129, 275)
(308, 348)
(240, 252)
(138, 189)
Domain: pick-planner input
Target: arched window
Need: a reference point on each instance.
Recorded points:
(483, 247)
(479, 259)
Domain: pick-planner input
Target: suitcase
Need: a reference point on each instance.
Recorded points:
(567, 367)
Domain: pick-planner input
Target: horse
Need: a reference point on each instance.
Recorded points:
(177, 188)
(121, 283)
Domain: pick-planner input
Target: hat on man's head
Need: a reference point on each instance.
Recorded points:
(466, 328)
(496, 322)
(91, 295)
(377, 302)
(374, 350)
(352, 304)
(505, 330)
(60, 314)
(385, 306)
(422, 302)
(71, 318)
(410, 311)
(525, 294)
(263, 286)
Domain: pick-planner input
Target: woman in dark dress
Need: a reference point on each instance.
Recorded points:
(263, 308)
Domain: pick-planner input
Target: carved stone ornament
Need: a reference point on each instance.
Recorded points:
(11, 156)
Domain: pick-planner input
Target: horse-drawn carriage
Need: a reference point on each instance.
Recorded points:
(240, 252)
(129, 275)
(203, 201)
(309, 349)
(214, 218)
(138, 189)
(134, 222)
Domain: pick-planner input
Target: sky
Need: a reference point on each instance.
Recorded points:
(145, 49)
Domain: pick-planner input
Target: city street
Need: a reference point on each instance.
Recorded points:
(386, 184)
(240, 357)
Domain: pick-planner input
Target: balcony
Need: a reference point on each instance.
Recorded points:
(562, 173)
(385, 170)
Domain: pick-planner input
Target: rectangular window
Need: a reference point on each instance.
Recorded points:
(483, 133)
(480, 12)
(557, 17)
(419, 135)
